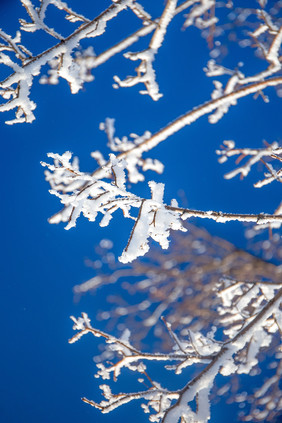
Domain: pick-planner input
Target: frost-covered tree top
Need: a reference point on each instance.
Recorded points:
(245, 318)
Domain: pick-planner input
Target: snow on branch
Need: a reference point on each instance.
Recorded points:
(271, 53)
(255, 318)
(147, 28)
(204, 109)
(198, 14)
(113, 197)
(252, 155)
(16, 87)
(128, 148)
(75, 66)
(131, 151)
(155, 218)
(145, 71)
(273, 151)
(97, 195)
(13, 45)
(37, 16)
(64, 58)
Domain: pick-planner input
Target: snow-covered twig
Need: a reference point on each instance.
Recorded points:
(12, 44)
(272, 151)
(198, 15)
(133, 38)
(271, 53)
(145, 71)
(256, 155)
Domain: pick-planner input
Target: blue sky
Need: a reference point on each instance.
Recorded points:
(43, 378)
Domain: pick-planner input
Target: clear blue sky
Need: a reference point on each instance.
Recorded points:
(42, 377)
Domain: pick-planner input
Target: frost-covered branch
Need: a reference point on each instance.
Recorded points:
(271, 53)
(132, 152)
(202, 110)
(133, 38)
(185, 352)
(199, 16)
(13, 45)
(16, 87)
(223, 363)
(236, 354)
(256, 155)
(75, 66)
(64, 59)
(271, 151)
(37, 16)
(129, 158)
(145, 71)
(155, 218)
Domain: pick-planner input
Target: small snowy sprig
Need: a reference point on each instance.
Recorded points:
(271, 52)
(37, 16)
(195, 349)
(82, 62)
(219, 91)
(273, 151)
(134, 161)
(199, 15)
(141, 13)
(254, 156)
(154, 221)
(243, 300)
(13, 45)
(64, 175)
(145, 71)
